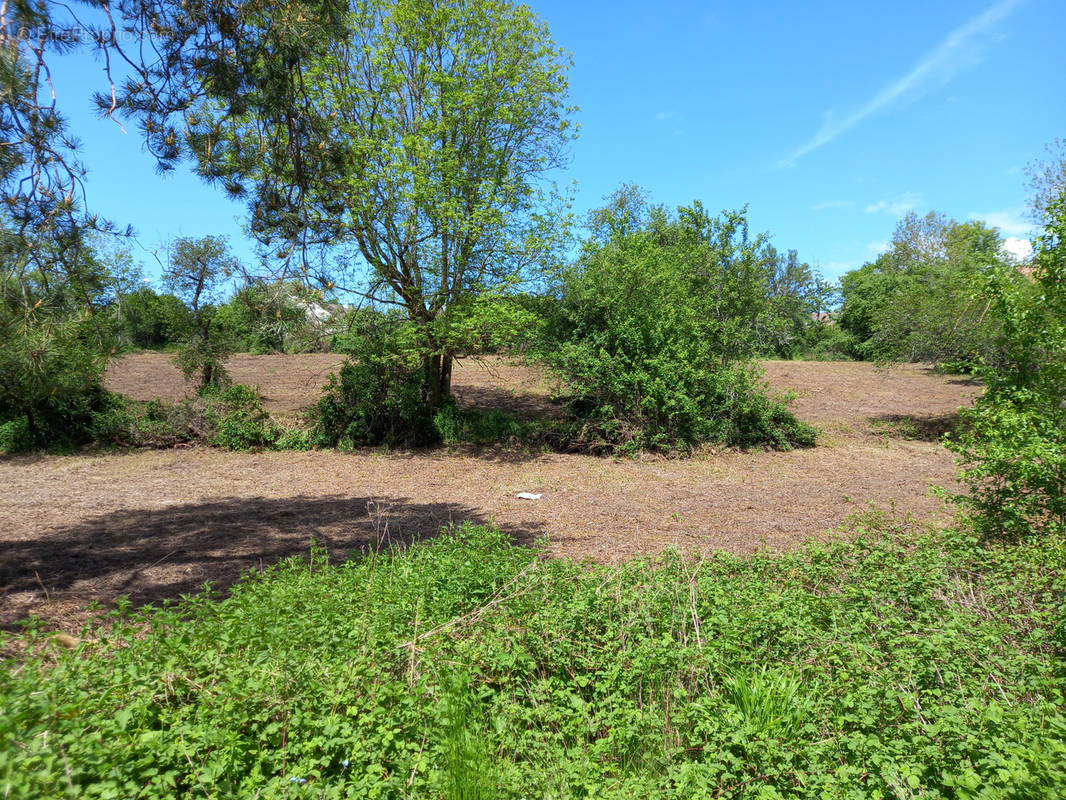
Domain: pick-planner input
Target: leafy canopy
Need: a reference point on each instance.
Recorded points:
(922, 299)
(425, 131)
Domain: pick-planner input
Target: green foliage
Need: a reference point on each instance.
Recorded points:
(379, 397)
(196, 272)
(205, 353)
(294, 439)
(1012, 453)
(50, 369)
(272, 318)
(232, 418)
(55, 335)
(154, 423)
(652, 331)
(478, 426)
(148, 320)
(898, 662)
(426, 135)
(922, 300)
(242, 423)
(830, 342)
(794, 294)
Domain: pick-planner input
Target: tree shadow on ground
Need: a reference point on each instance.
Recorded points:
(915, 427)
(153, 555)
(522, 406)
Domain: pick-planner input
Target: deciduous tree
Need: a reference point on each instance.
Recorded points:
(196, 271)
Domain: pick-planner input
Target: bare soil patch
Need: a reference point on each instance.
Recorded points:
(158, 524)
(292, 384)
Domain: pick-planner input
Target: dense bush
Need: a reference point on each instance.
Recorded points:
(242, 422)
(1013, 450)
(455, 425)
(55, 335)
(379, 397)
(923, 299)
(896, 663)
(652, 334)
(275, 317)
(51, 363)
(149, 320)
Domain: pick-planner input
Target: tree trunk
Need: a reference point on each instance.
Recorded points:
(31, 424)
(439, 378)
(446, 375)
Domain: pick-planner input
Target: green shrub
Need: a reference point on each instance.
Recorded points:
(645, 339)
(244, 430)
(150, 321)
(204, 355)
(479, 426)
(1012, 450)
(379, 397)
(830, 342)
(15, 436)
(242, 422)
(154, 423)
(232, 418)
(922, 300)
(271, 318)
(51, 363)
(294, 439)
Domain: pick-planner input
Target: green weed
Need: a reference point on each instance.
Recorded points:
(898, 662)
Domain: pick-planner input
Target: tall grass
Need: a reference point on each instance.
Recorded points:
(900, 662)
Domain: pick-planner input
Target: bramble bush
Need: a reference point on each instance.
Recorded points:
(1013, 451)
(895, 662)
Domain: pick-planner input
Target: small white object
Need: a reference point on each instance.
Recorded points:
(527, 496)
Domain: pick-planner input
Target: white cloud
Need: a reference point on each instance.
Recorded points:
(877, 248)
(831, 204)
(1021, 249)
(896, 206)
(959, 50)
(665, 115)
(1010, 221)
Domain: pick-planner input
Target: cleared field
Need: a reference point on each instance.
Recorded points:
(157, 524)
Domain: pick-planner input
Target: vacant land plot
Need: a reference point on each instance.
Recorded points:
(157, 524)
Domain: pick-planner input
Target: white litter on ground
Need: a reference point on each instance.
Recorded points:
(527, 496)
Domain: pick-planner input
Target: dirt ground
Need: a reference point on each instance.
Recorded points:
(158, 524)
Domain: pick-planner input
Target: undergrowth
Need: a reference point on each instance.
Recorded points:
(232, 418)
(900, 662)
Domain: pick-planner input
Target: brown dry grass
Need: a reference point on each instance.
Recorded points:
(157, 524)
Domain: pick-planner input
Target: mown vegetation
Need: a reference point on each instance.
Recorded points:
(896, 662)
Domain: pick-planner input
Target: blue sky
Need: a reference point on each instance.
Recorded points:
(829, 120)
